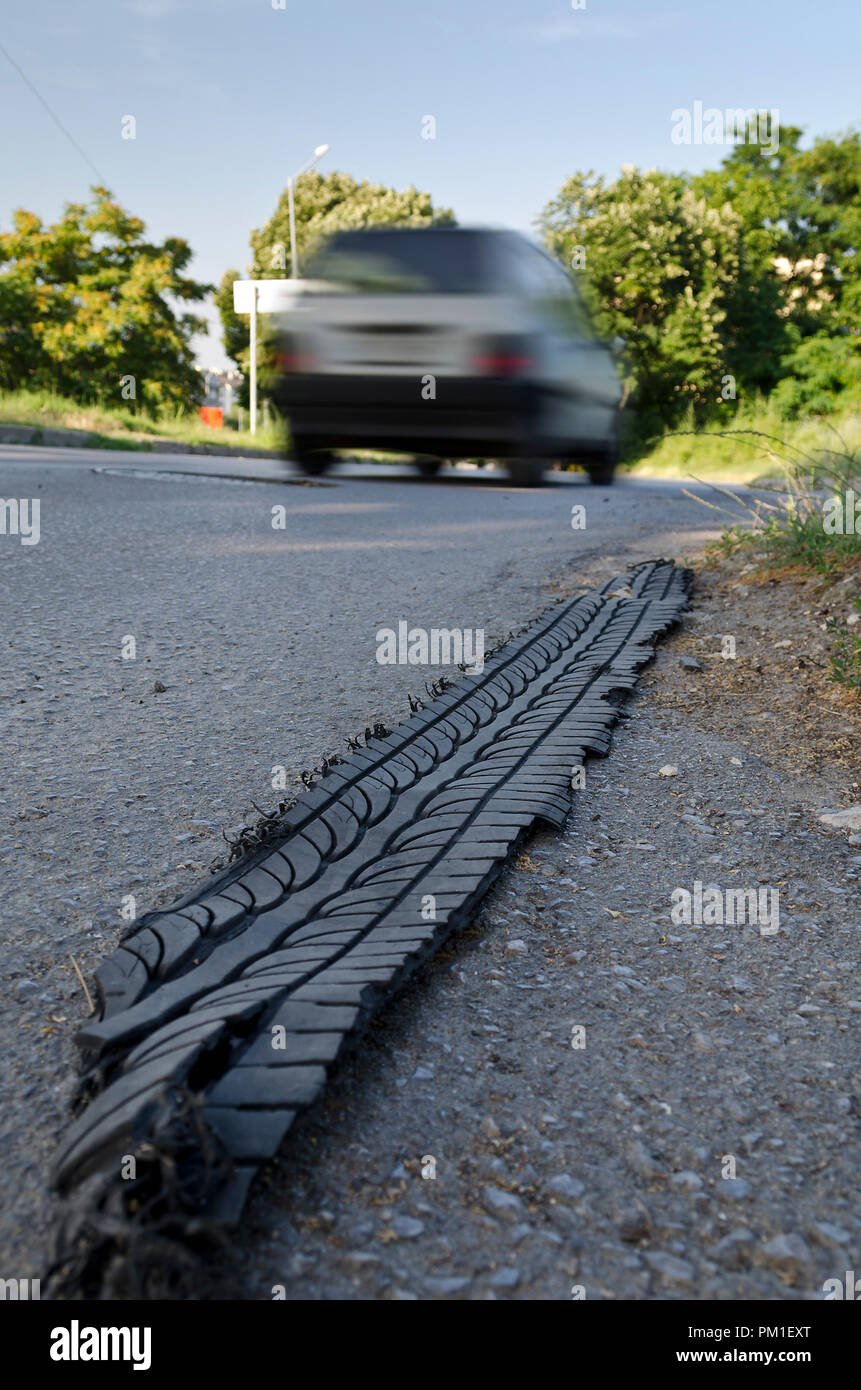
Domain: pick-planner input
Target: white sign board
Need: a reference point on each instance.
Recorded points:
(273, 296)
(263, 297)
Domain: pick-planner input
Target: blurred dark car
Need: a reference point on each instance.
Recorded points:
(446, 343)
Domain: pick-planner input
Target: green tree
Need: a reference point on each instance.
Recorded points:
(801, 229)
(820, 370)
(88, 301)
(235, 329)
(327, 203)
(733, 272)
(831, 170)
(659, 262)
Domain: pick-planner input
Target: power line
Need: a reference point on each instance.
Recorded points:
(53, 116)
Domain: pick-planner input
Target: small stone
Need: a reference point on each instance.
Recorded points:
(670, 1266)
(849, 819)
(668, 770)
(808, 1010)
(517, 946)
(158, 688)
(736, 762)
(734, 1188)
(687, 1181)
(690, 663)
(635, 1226)
(829, 1235)
(423, 1074)
(566, 1186)
(505, 1278)
(502, 1203)
(787, 1251)
(785, 643)
(641, 1160)
(452, 1284)
(407, 1227)
(736, 1247)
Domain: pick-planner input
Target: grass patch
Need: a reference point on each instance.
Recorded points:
(811, 526)
(754, 445)
(118, 427)
(845, 659)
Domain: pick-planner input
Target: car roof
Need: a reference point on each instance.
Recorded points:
(387, 230)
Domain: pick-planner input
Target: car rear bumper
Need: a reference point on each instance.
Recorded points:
(466, 414)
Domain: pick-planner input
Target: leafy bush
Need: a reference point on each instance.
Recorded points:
(90, 309)
(724, 283)
(846, 652)
(817, 374)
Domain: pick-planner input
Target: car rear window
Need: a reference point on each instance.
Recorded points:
(405, 262)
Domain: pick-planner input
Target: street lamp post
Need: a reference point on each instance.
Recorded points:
(252, 357)
(318, 154)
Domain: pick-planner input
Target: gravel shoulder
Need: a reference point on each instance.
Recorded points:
(606, 1170)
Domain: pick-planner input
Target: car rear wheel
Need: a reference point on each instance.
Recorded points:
(526, 472)
(427, 465)
(601, 472)
(312, 461)
(602, 466)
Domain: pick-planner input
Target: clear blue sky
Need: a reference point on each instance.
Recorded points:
(231, 96)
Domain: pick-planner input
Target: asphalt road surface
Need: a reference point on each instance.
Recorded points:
(263, 638)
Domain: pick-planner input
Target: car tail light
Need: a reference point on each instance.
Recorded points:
(505, 357)
(288, 358)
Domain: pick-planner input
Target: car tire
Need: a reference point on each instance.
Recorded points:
(428, 466)
(602, 466)
(601, 473)
(527, 472)
(312, 461)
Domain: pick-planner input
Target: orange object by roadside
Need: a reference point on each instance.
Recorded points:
(213, 416)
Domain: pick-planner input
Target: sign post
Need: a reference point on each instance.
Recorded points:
(253, 386)
(262, 297)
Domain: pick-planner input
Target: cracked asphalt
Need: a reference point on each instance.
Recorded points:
(556, 1168)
